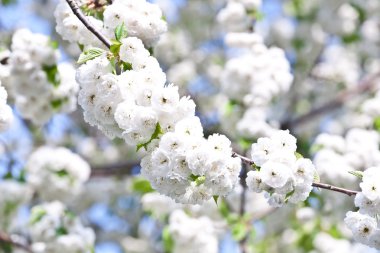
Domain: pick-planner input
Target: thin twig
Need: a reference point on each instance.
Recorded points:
(114, 169)
(75, 8)
(5, 238)
(364, 86)
(319, 185)
(334, 188)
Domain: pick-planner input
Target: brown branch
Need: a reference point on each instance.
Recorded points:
(14, 241)
(365, 85)
(334, 188)
(75, 8)
(319, 185)
(115, 169)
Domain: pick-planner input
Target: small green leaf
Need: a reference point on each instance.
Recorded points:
(298, 155)
(357, 173)
(151, 50)
(52, 74)
(37, 214)
(239, 231)
(61, 231)
(167, 239)
(126, 66)
(90, 54)
(54, 44)
(215, 198)
(8, 175)
(288, 195)
(255, 14)
(81, 47)
(115, 48)
(376, 124)
(142, 186)
(21, 177)
(121, 32)
(156, 135)
(62, 173)
(57, 103)
(200, 180)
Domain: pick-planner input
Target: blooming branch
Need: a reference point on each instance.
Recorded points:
(315, 184)
(75, 8)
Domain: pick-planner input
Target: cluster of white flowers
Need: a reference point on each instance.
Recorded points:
(72, 29)
(140, 18)
(53, 228)
(6, 114)
(39, 86)
(255, 78)
(13, 195)
(280, 174)
(340, 66)
(192, 235)
(189, 168)
(238, 15)
(61, 169)
(357, 151)
(137, 106)
(364, 223)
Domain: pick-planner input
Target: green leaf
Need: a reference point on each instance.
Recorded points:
(6, 247)
(81, 47)
(156, 135)
(151, 50)
(244, 143)
(167, 239)
(37, 214)
(8, 175)
(115, 48)
(62, 173)
(239, 231)
(215, 198)
(126, 66)
(61, 231)
(255, 14)
(57, 103)
(351, 38)
(298, 155)
(142, 186)
(357, 173)
(376, 124)
(121, 32)
(288, 195)
(90, 54)
(54, 44)
(200, 180)
(21, 177)
(52, 74)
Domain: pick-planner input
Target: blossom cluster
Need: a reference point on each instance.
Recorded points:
(192, 234)
(138, 106)
(364, 223)
(6, 114)
(258, 76)
(141, 19)
(61, 169)
(280, 174)
(39, 85)
(53, 228)
(238, 15)
(356, 151)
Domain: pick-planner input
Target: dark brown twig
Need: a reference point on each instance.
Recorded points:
(319, 185)
(365, 85)
(75, 8)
